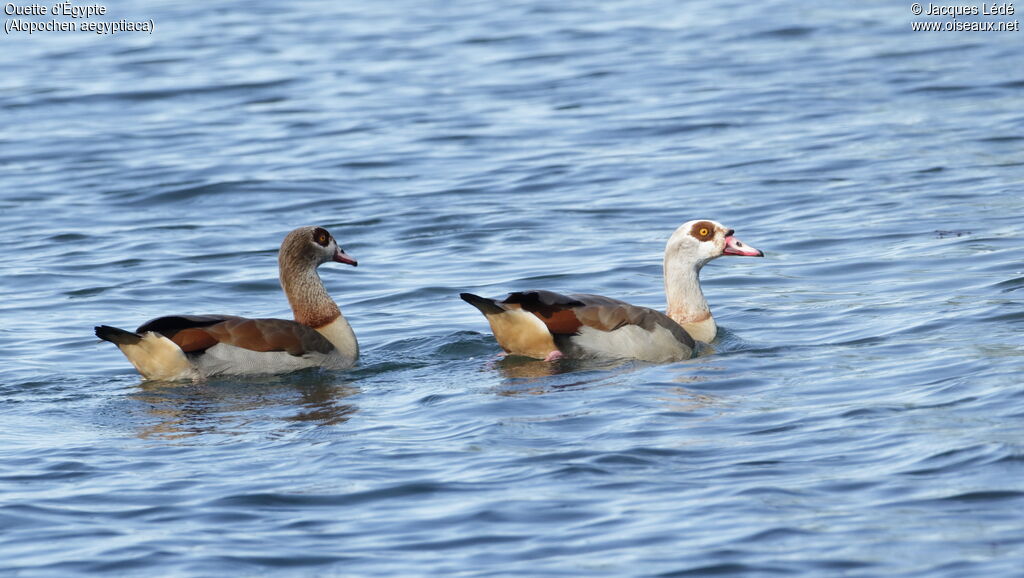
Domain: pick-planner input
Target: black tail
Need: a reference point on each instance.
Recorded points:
(117, 336)
(486, 306)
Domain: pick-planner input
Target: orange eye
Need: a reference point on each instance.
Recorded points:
(321, 236)
(703, 232)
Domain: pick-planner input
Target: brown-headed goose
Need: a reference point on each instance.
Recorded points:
(548, 325)
(197, 346)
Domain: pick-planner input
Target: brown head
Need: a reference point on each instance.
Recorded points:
(311, 246)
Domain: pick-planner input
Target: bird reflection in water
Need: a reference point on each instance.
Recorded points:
(526, 376)
(531, 376)
(262, 404)
(518, 367)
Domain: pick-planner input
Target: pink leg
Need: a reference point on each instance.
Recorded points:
(554, 355)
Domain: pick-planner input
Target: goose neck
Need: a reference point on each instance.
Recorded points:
(309, 300)
(686, 303)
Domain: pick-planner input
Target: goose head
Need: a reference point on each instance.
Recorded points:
(311, 247)
(695, 243)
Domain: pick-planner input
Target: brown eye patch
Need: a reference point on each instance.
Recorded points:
(703, 231)
(321, 236)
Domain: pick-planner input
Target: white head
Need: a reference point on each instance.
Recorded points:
(690, 248)
(695, 243)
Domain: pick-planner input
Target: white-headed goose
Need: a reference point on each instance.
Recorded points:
(197, 346)
(548, 325)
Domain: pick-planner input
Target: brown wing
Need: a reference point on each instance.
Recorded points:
(197, 333)
(565, 314)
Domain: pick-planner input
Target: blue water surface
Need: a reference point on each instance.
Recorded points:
(862, 411)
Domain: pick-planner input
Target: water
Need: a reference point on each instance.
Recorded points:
(861, 415)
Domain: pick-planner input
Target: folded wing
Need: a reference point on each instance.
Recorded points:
(195, 334)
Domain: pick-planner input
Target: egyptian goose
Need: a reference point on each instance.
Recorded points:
(547, 325)
(197, 346)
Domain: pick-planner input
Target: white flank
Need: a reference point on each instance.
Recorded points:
(222, 359)
(632, 341)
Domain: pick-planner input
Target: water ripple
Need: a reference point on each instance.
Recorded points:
(858, 414)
